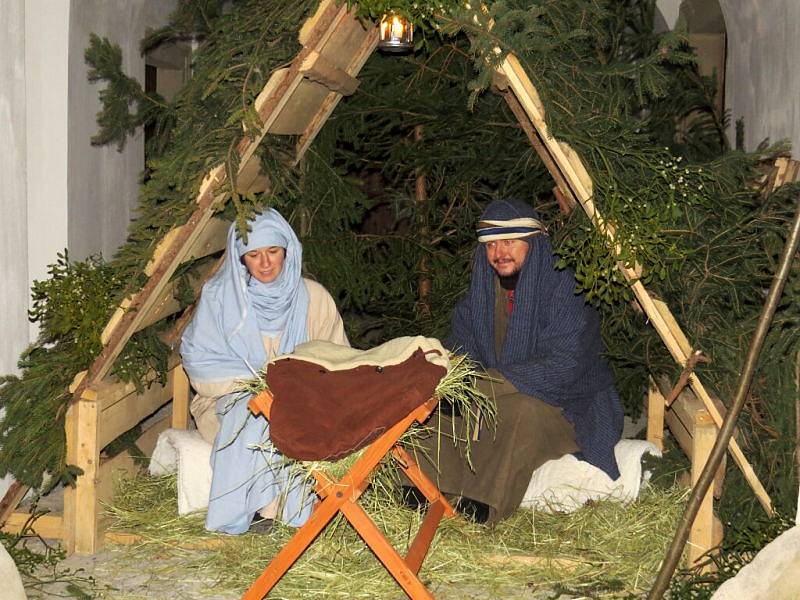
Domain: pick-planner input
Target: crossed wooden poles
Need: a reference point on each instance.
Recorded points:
(343, 495)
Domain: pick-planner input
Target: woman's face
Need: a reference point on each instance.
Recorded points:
(265, 264)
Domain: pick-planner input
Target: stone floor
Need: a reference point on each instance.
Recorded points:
(114, 574)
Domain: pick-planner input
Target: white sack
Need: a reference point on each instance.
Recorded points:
(188, 454)
(566, 484)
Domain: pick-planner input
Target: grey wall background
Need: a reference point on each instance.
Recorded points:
(102, 182)
(13, 187)
(13, 175)
(761, 85)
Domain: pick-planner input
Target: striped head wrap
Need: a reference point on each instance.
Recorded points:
(508, 220)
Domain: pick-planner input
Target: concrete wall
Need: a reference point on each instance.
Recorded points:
(103, 183)
(13, 183)
(13, 198)
(46, 42)
(763, 84)
(667, 13)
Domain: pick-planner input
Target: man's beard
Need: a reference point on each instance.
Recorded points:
(509, 282)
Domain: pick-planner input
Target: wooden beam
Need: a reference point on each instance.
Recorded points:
(306, 99)
(126, 538)
(676, 347)
(368, 45)
(117, 418)
(181, 395)
(304, 35)
(567, 201)
(250, 179)
(212, 239)
(13, 496)
(655, 415)
(48, 526)
(109, 473)
(579, 181)
(701, 535)
(573, 171)
(319, 69)
(168, 303)
(683, 417)
(683, 379)
(80, 501)
(324, 23)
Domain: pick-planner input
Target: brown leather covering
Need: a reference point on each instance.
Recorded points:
(319, 414)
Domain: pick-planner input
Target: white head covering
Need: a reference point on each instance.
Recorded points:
(224, 340)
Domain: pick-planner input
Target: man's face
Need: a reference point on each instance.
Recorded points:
(506, 256)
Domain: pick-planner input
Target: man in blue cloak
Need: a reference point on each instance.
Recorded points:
(540, 342)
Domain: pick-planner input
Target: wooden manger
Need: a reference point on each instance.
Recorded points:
(297, 100)
(342, 495)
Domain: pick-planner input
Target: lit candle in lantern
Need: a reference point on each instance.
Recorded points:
(397, 33)
(397, 27)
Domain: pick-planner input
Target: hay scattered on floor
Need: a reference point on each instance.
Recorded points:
(604, 550)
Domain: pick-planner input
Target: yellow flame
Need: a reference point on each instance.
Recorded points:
(397, 27)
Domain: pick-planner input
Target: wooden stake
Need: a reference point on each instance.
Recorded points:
(11, 500)
(702, 533)
(655, 415)
(180, 398)
(683, 380)
(421, 196)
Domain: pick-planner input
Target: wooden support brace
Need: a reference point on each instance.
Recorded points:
(655, 415)
(580, 183)
(50, 527)
(83, 451)
(678, 346)
(682, 418)
(212, 239)
(367, 48)
(319, 69)
(683, 379)
(563, 193)
(181, 395)
(701, 536)
(13, 496)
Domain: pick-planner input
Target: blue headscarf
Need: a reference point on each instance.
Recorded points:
(224, 339)
(552, 349)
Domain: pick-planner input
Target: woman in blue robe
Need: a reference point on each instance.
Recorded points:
(256, 307)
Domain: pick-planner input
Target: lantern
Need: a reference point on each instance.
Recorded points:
(397, 33)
